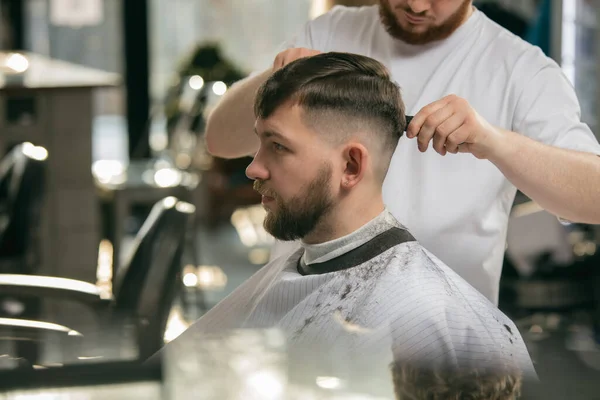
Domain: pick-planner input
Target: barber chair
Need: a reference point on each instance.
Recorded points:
(137, 303)
(22, 177)
(21, 194)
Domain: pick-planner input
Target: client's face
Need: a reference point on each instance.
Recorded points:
(292, 173)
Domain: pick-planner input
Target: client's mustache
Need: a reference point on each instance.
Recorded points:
(259, 187)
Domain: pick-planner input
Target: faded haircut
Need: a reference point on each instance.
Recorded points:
(340, 94)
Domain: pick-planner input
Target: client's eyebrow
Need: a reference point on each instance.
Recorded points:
(269, 134)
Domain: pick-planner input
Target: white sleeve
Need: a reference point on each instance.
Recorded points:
(548, 111)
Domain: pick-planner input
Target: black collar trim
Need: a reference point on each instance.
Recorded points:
(363, 253)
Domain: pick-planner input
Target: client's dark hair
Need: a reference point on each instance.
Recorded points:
(346, 92)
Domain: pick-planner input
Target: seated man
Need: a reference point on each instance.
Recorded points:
(328, 126)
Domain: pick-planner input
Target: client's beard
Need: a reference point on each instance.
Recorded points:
(299, 216)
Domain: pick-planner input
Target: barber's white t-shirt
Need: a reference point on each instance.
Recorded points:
(458, 206)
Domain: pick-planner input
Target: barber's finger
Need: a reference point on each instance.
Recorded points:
(418, 120)
(431, 128)
(278, 62)
(456, 139)
(287, 56)
(284, 58)
(446, 130)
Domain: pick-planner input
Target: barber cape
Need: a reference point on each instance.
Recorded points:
(376, 293)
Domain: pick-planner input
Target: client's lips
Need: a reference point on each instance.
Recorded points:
(414, 20)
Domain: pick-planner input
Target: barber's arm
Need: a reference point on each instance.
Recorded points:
(229, 127)
(564, 182)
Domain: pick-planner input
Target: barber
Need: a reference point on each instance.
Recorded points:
(492, 114)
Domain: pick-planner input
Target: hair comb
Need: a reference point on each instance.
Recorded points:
(408, 119)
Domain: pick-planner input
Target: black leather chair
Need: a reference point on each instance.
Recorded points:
(22, 178)
(142, 291)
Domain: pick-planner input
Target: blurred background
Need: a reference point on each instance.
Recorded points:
(118, 229)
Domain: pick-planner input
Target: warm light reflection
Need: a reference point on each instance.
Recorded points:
(240, 219)
(536, 329)
(48, 282)
(219, 88)
(36, 152)
(185, 207)
(24, 323)
(104, 270)
(13, 307)
(328, 382)
(259, 256)
(176, 325)
(169, 202)
(90, 358)
(17, 62)
(196, 82)
(167, 177)
(590, 248)
(265, 384)
(248, 223)
(183, 160)
(211, 277)
(584, 248)
(158, 141)
(109, 171)
(190, 279)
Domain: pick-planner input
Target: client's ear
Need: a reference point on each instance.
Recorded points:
(355, 157)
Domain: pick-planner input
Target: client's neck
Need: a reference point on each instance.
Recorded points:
(344, 218)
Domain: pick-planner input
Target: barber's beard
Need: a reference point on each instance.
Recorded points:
(298, 217)
(433, 33)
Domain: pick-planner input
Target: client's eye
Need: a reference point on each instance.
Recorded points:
(278, 147)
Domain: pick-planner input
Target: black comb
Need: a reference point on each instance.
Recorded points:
(408, 119)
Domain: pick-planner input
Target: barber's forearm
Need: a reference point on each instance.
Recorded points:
(229, 126)
(564, 182)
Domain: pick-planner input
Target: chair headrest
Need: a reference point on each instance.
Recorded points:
(164, 228)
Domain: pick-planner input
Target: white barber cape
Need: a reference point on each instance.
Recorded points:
(403, 299)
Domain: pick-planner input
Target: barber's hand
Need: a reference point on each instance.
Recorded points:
(287, 56)
(454, 127)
